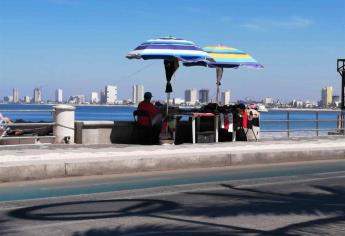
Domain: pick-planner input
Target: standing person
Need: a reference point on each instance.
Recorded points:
(243, 114)
(241, 123)
(151, 116)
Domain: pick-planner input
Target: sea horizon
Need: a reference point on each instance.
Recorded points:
(195, 106)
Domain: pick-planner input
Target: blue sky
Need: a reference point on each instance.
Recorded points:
(81, 46)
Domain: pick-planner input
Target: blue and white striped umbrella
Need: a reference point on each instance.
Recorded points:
(169, 48)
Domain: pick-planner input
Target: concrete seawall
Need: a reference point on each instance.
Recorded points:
(53, 161)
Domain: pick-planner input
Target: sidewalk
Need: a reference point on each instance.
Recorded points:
(51, 161)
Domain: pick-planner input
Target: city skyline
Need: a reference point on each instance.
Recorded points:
(50, 93)
(192, 96)
(80, 45)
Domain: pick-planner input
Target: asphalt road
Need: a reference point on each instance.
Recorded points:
(287, 199)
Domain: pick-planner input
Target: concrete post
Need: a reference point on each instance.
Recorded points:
(64, 124)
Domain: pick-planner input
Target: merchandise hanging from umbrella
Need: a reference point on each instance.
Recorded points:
(227, 57)
(171, 50)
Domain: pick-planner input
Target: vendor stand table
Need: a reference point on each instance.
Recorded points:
(197, 116)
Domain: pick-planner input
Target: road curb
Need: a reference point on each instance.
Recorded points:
(120, 165)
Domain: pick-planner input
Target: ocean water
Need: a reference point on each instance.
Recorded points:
(118, 113)
(271, 121)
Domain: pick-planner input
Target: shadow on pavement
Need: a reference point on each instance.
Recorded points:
(186, 218)
(150, 230)
(87, 210)
(3, 226)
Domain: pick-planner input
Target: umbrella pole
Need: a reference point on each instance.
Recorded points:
(167, 113)
(217, 98)
(219, 73)
(168, 98)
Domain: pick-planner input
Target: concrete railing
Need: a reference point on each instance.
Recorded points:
(31, 133)
(103, 132)
(62, 127)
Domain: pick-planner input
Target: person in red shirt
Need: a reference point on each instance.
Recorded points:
(147, 107)
(150, 117)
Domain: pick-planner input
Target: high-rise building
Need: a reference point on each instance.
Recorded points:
(26, 99)
(58, 96)
(226, 97)
(94, 97)
(138, 93)
(326, 96)
(37, 95)
(102, 97)
(203, 95)
(15, 95)
(110, 94)
(191, 96)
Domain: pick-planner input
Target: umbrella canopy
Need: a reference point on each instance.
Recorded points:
(226, 57)
(171, 50)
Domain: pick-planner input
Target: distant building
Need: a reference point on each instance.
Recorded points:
(110, 94)
(8, 99)
(102, 97)
(138, 93)
(204, 95)
(119, 102)
(58, 96)
(178, 101)
(77, 99)
(268, 101)
(127, 101)
(299, 103)
(15, 95)
(326, 96)
(335, 98)
(94, 98)
(27, 99)
(191, 96)
(226, 97)
(309, 104)
(37, 98)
